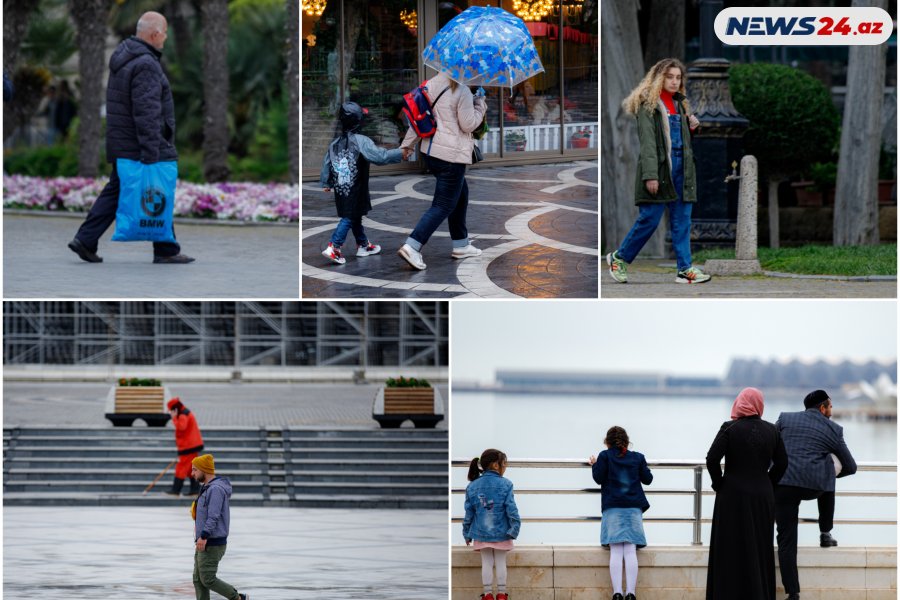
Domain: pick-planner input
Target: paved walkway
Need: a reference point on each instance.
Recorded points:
(273, 553)
(537, 226)
(215, 404)
(235, 262)
(655, 279)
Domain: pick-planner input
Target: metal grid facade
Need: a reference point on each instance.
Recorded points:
(363, 334)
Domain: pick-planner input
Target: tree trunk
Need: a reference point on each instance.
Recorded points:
(292, 85)
(214, 20)
(665, 32)
(179, 21)
(16, 14)
(90, 17)
(619, 36)
(856, 194)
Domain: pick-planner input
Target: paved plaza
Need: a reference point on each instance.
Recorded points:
(56, 553)
(215, 404)
(537, 226)
(656, 279)
(233, 261)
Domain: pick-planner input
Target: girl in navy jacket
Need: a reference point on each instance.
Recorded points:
(620, 473)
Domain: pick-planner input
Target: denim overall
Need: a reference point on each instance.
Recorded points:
(679, 211)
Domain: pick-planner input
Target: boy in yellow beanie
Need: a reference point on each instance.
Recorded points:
(211, 519)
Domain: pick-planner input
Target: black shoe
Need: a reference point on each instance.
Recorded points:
(630, 597)
(793, 597)
(617, 597)
(83, 252)
(175, 490)
(178, 259)
(244, 596)
(826, 541)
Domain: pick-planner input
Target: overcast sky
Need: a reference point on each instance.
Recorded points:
(692, 337)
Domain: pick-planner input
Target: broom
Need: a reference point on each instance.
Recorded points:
(158, 477)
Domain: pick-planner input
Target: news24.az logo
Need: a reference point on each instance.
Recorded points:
(848, 26)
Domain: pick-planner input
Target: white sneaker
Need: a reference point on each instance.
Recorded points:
(466, 252)
(368, 250)
(334, 254)
(413, 257)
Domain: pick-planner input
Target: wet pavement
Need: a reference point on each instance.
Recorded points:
(233, 261)
(649, 278)
(273, 553)
(537, 226)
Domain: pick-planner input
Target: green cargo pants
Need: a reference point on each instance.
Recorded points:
(206, 564)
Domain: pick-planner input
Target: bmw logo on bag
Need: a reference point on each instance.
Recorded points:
(153, 202)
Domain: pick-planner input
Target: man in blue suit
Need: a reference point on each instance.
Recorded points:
(810, 438)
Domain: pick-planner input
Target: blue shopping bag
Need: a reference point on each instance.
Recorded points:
(146, 201)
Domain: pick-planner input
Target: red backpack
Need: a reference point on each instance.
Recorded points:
(417, 106)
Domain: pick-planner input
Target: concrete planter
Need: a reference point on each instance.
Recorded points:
(423, 406)
(125, 404)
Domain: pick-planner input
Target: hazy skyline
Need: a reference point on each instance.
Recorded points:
(696, 337)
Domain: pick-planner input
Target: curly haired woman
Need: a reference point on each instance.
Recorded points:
(666, 177)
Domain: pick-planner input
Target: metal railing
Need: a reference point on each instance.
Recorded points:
(697, 492)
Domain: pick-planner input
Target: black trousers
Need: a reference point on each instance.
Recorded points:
(826, 512)
(787, 509)
(102, 215)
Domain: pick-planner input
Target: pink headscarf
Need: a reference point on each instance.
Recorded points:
(748, 403)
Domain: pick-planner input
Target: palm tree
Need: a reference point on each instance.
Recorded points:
(90, 18)
(214, 21)
(292, 80)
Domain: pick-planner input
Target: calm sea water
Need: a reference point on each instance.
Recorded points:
(570, 427)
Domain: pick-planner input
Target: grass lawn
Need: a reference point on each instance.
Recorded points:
(820, 260)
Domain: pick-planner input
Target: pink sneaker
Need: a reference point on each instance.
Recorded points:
(333, 254)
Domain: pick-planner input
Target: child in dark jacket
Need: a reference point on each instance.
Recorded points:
(620, 474)
(346, 170)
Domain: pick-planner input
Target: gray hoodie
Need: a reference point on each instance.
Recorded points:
(212, 512)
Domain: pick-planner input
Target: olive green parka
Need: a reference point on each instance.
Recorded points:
(656, 157)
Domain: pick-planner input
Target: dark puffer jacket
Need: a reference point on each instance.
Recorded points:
(140, 113)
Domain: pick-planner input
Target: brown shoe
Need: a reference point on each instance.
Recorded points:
(178, 259)
(83, 252)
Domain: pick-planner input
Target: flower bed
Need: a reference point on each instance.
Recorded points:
(223, 201)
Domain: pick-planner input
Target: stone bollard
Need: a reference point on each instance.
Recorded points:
(745, 262)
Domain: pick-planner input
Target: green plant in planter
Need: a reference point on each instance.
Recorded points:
(135, 382)
(824, 175)
(403, 382)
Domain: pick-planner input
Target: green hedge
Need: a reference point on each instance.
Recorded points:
(403, 382)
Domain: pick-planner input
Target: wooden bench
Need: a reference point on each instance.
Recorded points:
(137, 402)
(394, 405)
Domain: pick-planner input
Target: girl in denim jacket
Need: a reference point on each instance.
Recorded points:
(620, 474)
(492, 518)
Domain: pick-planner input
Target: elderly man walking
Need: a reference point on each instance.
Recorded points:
(211, 519)
(810, 438)
(140, 125)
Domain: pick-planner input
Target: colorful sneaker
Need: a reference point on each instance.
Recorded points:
(334, 254)
(692, 275)
(502, 596)
(467, 252)
(414, 258)
(618, 268)
(368, 250)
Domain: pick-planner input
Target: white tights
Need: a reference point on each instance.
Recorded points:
(617, 554)
(491, 558)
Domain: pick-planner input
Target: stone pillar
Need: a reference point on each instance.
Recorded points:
(745, 262)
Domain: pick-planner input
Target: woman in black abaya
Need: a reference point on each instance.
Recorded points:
(741, 553)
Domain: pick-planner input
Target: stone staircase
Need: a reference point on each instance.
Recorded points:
(272, 466)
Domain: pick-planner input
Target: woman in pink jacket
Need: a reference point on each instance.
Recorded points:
(458, 113)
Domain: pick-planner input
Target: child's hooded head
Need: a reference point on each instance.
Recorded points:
(351, 116)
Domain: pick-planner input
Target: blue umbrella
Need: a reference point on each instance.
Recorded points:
(484, 46)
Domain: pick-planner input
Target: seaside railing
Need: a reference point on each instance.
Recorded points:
(696, 491)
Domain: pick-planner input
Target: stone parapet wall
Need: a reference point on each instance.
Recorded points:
(673, 573)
